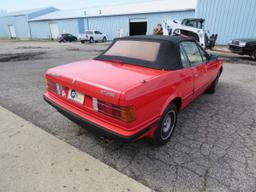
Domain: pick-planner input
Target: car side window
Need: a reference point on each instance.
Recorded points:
(193, 52)
(203, 54)
(97, 32)
(184, 59)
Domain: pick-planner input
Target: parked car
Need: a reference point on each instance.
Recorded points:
(244, 47)
(93, 36)
(135, 88)
(66, 37)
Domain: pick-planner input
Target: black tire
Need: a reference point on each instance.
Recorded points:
(212, 88)
(104, 39)
(253, 55)
(166, 126)
(82, 41)
(91, 40)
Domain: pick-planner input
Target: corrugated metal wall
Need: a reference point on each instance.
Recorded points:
(41, 30)
(111, 24)
(229, 18)
(107, 24)
(20, 25)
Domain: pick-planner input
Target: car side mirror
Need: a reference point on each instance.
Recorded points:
(208, 56)
(211, 57)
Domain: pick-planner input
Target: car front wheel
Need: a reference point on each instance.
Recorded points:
(91, 40)
(104, 39)
(166, 126)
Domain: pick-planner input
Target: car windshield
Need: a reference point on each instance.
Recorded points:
(142, 50)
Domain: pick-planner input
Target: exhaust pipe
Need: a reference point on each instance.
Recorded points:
(106, 140)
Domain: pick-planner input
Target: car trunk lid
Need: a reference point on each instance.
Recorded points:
(101, 79)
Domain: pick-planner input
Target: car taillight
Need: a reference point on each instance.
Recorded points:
(56, 88)
(125, 114)
(50, 85)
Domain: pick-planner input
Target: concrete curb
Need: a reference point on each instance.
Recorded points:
(31, 160)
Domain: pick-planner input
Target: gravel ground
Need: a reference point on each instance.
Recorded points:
(213, 148)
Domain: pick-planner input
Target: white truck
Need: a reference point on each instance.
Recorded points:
(92, 36)
(193, 27)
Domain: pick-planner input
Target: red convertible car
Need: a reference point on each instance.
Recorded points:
(135, 88)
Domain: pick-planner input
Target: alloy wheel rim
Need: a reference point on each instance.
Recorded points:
(168, 125)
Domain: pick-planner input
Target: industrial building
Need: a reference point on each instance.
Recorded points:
(118, 20)
(229, 19)
(16, 24)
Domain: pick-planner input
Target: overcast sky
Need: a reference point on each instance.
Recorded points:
(16, 5)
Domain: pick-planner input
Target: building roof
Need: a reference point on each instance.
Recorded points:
(63, 14)
(28, 12)
(124, 9)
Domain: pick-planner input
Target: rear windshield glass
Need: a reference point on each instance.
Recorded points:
(150, 52)
(142, 50)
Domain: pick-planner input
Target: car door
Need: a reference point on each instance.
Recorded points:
(212, 66)
(98, 35)
(198, 66)
(65, 37)
(187, 89)
(68, 37)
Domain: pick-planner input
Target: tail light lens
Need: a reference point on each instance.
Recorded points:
(56, 88)
(50, 86)
(125, 114)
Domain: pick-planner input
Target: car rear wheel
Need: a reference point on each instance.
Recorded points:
(166, 126)
(91, 40)
(253, 55)
(214, 84)
(82, 41)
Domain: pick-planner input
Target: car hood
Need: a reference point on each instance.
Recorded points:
(103, 75)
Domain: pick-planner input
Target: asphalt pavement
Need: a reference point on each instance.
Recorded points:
(212, 149)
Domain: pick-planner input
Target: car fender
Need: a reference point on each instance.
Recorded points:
(168, 101)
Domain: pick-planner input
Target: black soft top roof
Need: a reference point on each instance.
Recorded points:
(171, 39)
(168, 56)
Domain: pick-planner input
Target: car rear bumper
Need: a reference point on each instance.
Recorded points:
(93, 127)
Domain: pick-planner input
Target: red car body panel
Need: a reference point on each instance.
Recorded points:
(136, 96)
(149, 91)
(93, 76)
